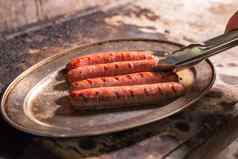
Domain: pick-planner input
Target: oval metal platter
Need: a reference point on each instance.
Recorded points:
(36, 101)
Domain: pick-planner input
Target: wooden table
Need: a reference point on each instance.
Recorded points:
(199, 132)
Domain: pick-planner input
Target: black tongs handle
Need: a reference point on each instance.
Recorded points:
(195, 53)
(221, 43)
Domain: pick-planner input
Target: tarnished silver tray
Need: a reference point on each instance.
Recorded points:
(35, 101)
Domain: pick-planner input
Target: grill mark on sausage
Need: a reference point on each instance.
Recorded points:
(96, 93)
(160, 91)
(129, 77)
(116, 66)
(174, 89)
(141, 75)
(89, 81)
(146, 92)
(131, 93)
(105, 68)
(117, 95)
(75, 84)
(129, 65)
(103, 79)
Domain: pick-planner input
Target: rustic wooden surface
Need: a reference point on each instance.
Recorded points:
(16, 14)
(200, 132)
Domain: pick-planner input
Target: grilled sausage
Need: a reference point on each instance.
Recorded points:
(122, 80)
(124, 96)
(108, 57)
(110, 69)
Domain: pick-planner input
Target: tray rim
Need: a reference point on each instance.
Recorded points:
(47, 60)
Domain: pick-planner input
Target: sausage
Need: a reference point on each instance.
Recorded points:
(122, 80)
(110, 69)
(108, 57)
(124, 96)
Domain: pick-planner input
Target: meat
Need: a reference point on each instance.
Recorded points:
(111, 69)
(108, 57)
(124, 96)
(123, 80)
(119, 79)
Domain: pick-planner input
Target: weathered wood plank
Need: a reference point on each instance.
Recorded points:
(17, 13)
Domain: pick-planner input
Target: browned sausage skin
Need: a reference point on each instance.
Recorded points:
(108, 57)
(124, 96)
(110, 69)
(128, 79)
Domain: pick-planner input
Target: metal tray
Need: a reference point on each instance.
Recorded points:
(35, 101)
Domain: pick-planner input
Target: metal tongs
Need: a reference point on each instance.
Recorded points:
(195, 53)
